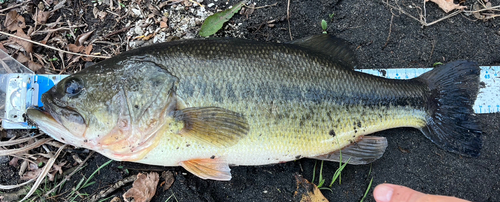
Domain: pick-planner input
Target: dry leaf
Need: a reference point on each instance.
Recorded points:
(34, 66)
(13, 21)
(76, 49)
(22, 58)
(14, 162)
(163, 24)
(447, 5)
(31, 174)
(28, 46)
(116, 199)
(169, 179)
(307, 192)
(82, 38)
(143, 188)
(42, 17)
(3, 48)
(187, 3)
(88, 49)
(102, 15)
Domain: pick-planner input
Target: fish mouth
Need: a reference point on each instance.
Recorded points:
(61, 123)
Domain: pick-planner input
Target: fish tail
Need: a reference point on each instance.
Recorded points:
(452, 123)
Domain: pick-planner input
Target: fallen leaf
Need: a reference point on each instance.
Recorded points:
(214, 22)
(163, 24)
(248, 10)
(88, 49)
(28, 46)
(76, 49)
(143, 188)
(82, 38)
(447, 5)
(14, 162)
(116, 199)
(42, 17)
(307, 192)
(187, 3)
(3, 48)
(13, 21)
(31, 174)
(102, 15)
(169, 180)
(22, 58)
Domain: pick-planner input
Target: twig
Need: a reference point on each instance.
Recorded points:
(445, 17)
(390, 30)
(117, 31)
(108, 191)
(425, 24)
(288, 18)
(14, 6)
(67, 177)
(432, 50)
(274, 4)
(484, 9)
(50, 47)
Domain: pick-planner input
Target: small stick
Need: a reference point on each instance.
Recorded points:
(390, 30)
(14, 6)
(274, 4)
(288, 18)
(53, 48)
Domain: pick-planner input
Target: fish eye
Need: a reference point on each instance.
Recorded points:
(73, 87)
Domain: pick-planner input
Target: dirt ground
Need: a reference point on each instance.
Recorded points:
(382, 37)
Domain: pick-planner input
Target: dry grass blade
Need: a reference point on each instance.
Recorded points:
(423, 21)
(44, 173)
(53, 48)
(7, 187)
(16, 142)
(69, 176)
(26, 148)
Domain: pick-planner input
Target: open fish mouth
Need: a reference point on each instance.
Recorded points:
(62, 124)
(47, 123)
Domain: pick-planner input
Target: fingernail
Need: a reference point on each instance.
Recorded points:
(383, 193)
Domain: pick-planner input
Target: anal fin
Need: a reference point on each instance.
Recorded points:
(213, 169)
(365, 151)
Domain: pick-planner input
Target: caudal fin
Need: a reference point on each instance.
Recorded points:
(452, 124)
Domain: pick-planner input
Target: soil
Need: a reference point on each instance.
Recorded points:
(382, 37)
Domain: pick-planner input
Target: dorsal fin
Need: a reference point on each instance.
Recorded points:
(335, 48)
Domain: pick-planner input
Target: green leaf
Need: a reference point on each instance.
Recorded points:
(437, 63)
(214, 22)
(323, 25)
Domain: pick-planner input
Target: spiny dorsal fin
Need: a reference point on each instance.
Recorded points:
(216, 126)
(335, 48)
(213, 169)
(365, 151)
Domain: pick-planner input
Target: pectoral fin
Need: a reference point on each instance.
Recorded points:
(213, 169)
(365, 151)
(213, 125)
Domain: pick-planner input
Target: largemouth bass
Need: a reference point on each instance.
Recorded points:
(206, 104)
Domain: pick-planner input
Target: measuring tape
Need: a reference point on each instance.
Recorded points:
(25, 90)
